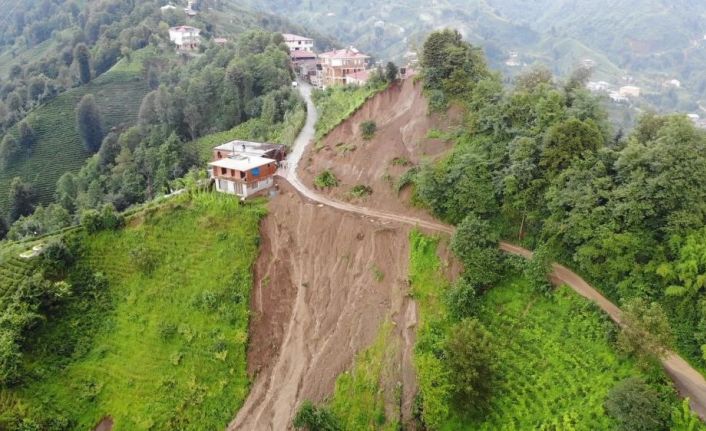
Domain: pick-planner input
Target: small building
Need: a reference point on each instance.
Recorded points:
(185, 37)
(358, 78)
(167, 7)
(220, 41)
(598, 86)
(298, 43)
(336, 66)
(189, 9)
(616, 97)
(672, 83)
(630, 91)
(243, 175)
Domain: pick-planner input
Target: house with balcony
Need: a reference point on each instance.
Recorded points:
(298, 43)
(185, 37)
(336, 66)
(245, 168)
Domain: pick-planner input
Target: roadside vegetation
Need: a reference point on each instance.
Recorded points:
(335, 104)
(532, 355)
(146, 323)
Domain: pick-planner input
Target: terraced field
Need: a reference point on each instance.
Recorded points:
(118, 93)
(13, 268)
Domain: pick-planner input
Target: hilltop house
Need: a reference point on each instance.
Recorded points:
(185, 37)
(245, 168)
(336, 66)
(358, 78)
(630, 91)
(298, 43)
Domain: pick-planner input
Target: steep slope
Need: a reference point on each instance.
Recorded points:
(314, 310)
(59, 149)
(400, 142)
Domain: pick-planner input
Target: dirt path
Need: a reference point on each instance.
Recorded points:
(688, 380)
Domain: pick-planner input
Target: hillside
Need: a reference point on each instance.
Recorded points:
(59, 149)
(651, 40)
(163, 345)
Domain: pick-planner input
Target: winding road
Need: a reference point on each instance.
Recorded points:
(688, 381)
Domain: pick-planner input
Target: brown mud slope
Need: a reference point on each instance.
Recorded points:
(401, 141)
(325, 282)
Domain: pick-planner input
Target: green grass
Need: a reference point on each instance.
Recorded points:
(59, 149)
(338, 103)
(161, 350)
(360, 396)
(553, 352)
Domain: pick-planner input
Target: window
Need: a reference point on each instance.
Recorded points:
(242, 175)
(224, 171)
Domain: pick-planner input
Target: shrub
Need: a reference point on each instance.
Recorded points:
(143, 259)
(57, 258)
(476, 244)
(472, 364)
(361, 190)
(368, 129)
(91, 221)
(326, 179)
(538, 270)
(646, 332)
(312, 418)
(636, 406)
(108, 218)
(462, 299)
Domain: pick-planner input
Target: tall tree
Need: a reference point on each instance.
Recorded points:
(88, 122)
(391, 71)
(8, 150)
(82, 58)
(22, 199)
(27, 137)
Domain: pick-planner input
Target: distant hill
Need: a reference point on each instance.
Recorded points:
(652, 40)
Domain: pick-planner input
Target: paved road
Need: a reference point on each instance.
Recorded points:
(688, 380)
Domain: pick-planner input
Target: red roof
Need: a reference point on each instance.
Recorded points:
(185, 29)
(343, 53)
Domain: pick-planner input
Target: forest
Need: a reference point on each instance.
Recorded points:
(539, 165)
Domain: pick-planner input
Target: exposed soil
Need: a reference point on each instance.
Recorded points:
(106, 424)
(400, 142)
(326, 281)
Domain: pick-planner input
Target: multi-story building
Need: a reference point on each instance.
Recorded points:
(337, 65)
(185, 37)
(298, 43)
(245, 168)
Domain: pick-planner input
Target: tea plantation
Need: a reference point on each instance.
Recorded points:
(163, 347)
(118, 94)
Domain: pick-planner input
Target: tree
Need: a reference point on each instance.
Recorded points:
(568, 140)
(636, 406)
(646, 331)
(391, 72)
(82, 59)
(538, 270)
(27, 137)
(67, 191)
(472, 363)
(22, 199)
(152, 79)
(3, 228)
(9, 149)
(476, 244)
(312, 418)
(88, 122)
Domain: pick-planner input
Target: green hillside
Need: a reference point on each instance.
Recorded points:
(118, 93)
(164, 346)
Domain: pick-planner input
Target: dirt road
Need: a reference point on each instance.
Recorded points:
(688, 380)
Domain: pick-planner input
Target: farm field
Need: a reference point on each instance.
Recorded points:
(552, 350)
(118, 94)
(164, 347)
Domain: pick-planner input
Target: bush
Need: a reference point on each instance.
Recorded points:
(312, 418)
(143, 259)
(462, 299)
(476, 244)
(361, 190)
(326, 179)
(538, 270)
(472, 364)
(636, 406)
(57, 258)
(368, 129)
(107, 219)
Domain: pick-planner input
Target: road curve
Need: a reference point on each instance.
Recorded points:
(688, 381)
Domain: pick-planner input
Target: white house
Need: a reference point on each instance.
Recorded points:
(167, 7)
(630, 91)
(673, 83)
(298, 43)
(616, 97)
(597, 87)
(185, 37)
(243, 175)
